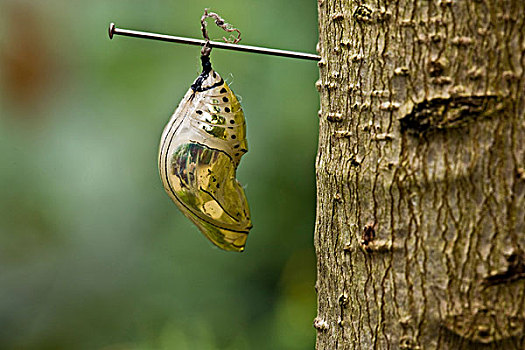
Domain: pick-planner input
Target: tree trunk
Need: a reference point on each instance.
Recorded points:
(420, 231)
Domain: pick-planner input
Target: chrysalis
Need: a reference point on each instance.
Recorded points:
(199, 152)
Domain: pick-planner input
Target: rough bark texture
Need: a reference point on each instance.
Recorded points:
(420, 217)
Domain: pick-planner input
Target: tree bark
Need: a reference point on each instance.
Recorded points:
(420, 173)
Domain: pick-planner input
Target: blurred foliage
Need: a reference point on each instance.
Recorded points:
(93, 253)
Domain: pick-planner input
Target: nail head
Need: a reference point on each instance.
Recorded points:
(111, 30)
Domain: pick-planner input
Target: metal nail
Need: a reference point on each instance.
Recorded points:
(113, 30)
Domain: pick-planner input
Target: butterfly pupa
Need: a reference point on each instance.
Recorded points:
(200, 149)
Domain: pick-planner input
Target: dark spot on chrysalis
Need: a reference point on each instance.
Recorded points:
(218, 185)
(223, 91)
(227, 109)
(244, 150)
(198, 111)
(236, 154)
(234, 137)
(230, 127)
(225, 99)
(232, 121)
(236, 146)
(214, 75)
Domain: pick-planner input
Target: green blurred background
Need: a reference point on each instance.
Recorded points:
(93, 253)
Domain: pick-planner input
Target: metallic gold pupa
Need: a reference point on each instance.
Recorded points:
(199, 152)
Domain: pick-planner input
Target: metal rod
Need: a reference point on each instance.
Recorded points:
(113, 30)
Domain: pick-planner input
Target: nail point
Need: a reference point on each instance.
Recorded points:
(111, 30)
